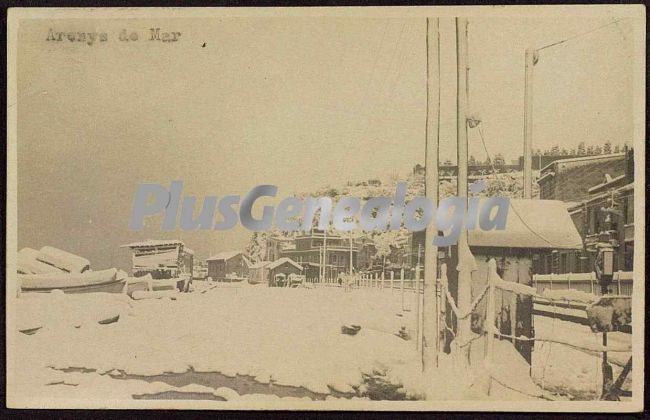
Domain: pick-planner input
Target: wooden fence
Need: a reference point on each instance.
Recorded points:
(389, 280)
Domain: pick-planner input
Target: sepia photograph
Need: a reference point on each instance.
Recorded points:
(330, 208)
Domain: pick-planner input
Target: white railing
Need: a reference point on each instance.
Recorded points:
(585, 282)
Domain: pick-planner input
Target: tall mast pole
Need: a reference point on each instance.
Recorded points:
(325, 255)
(430, 329)
(528, 124)
(464, 274)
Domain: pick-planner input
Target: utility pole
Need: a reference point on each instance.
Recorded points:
(418, 306)
(429, 310)
(531, 59)
(464, 274)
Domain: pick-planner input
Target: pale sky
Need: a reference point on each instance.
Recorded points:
(296, 102)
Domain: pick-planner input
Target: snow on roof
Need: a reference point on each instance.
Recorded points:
(627, 187)
(281, 261)
(153, 242)
(188, 251)
(578, 159)
(532, 224)
(226, 255)
(546, 175)
(608, 181)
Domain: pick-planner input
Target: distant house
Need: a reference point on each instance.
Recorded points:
(282, 268)
(162, 258)
(227, 262)
(275, 245)
(570, 179)
(310, 247)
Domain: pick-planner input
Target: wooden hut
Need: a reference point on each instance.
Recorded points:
(226, 263)
(534, 228)
(282, 268)
(162, 258)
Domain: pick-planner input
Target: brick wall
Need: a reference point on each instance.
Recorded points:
(572, 180)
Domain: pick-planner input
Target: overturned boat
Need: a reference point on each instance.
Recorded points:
(108, 281)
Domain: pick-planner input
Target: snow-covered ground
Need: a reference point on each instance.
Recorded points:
(570, 372)
(248, 343)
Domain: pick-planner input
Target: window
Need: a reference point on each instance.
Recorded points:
(628, 264)
(629, 209)
(578, 262)
(563, 263)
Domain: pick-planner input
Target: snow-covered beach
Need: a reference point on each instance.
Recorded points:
(255, 343)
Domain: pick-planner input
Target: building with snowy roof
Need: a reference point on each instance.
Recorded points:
(162, 258)
(228, 263)
(280, 270)
(571, 179)
(534, 229)
(604, 214)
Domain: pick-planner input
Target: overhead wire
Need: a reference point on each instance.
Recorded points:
(570, 38)
(539, 235)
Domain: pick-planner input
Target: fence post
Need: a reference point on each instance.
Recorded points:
(392, 278)
(568, 280)
(401, 281)
(382, 280)
(489, 321)
(619, 282)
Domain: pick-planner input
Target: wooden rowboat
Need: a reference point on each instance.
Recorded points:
(106, 281)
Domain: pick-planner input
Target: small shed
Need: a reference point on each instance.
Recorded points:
(259, 272)
(283, 267)
(533, 228)
(228, 262)
(162, 258)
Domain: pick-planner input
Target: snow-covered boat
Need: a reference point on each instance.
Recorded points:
(107, 281)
